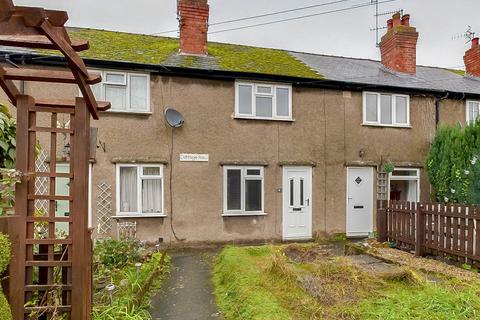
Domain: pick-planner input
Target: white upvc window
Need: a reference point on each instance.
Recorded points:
(473, 111)
(263, 101)
(127, 91)
(243, 190)
(404, 184)
(139, 189)
(385, 109)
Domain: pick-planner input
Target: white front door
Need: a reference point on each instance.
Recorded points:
(297, 202)
(359, 201)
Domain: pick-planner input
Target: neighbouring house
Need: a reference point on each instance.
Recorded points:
(275, 144)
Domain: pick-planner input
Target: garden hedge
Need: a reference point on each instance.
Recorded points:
(5, 313)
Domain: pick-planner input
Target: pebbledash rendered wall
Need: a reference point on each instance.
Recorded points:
(327, 133)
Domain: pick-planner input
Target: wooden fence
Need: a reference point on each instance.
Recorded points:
(451, 231)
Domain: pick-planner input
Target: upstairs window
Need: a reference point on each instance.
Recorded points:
(243, 190)
(128, 92)
(473, 111)
(263, 101)
(385, 109)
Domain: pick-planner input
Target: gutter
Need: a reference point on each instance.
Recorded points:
(38, 59)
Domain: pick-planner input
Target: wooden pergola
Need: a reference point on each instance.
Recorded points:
(49, 275)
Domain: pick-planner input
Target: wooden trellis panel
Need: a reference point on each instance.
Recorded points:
(45, 264)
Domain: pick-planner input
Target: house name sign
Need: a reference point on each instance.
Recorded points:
(193, 157)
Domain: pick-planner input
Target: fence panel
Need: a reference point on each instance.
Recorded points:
(447, 230)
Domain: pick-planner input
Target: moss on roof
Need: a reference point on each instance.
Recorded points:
(459, 72)
(137, 48)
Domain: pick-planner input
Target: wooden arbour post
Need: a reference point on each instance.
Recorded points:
(50, 273)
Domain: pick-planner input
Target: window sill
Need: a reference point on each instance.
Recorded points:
(263, 119)
(138, 216)
(244, 214)
(407, 126)
(141, 113)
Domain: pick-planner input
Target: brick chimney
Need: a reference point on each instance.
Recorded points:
(399, 45)
(472, 59)
(193, 19)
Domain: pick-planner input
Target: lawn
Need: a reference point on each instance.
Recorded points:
(310, 281)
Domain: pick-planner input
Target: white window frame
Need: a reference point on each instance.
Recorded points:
(243, 177)
(416, 177)
(126, 85)
(394, 110)
(255, 93)
(140, 177)
(467, 108)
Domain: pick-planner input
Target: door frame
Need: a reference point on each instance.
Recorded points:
(372, 171)
(309, 170)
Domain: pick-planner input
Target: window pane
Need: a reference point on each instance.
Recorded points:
(473, 111)
(371, 107)
(152, 196)
(115, 78)
(301, 192)
(264, 89)
(128, 189)
(386, 109)
(151, 171)
(401, 109)
(253, 195)
(283, 102)
(253, 172)
(245, 99)
(264, 107)
(97, 91)
(291, 192)
(138, 92)
(234, 189)
(404, 190)
(117, 96)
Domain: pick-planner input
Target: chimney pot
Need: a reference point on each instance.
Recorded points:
(399, 47)
(475, 42)
(390, 24)
(396, 19)
(193, 24)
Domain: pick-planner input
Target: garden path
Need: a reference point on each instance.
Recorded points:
(188, 293)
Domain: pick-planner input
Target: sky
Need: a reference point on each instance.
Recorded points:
(440, 24)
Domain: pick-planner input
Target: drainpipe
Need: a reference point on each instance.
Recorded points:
(437, 108)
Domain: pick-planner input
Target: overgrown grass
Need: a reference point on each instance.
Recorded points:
(134, 284)
(263, 283)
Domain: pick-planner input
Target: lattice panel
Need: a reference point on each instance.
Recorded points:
(127, 230)
(41, 188)
(382, 185)
(104, 208)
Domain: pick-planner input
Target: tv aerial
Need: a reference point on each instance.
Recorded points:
(377, 14)
(468, 35)
(173, 118)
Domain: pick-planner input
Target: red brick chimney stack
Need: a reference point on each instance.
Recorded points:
(193, 19)
(472, 59)
(399, 45)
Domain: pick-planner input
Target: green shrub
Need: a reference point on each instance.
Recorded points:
(117, 253)
(453, 164)
(4, 261)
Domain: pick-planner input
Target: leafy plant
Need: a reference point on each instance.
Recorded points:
(7, 138)
(388, 167)
(453, 164)
(5, 252)
(117, 253)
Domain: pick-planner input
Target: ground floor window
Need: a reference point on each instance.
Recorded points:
(405, 185)
(243, 190)
(139, 189)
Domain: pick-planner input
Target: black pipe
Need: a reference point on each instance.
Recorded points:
(437, 108)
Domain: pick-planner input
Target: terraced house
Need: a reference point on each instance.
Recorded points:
(274, 144)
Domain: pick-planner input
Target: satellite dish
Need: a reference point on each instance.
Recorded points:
(174, 118)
